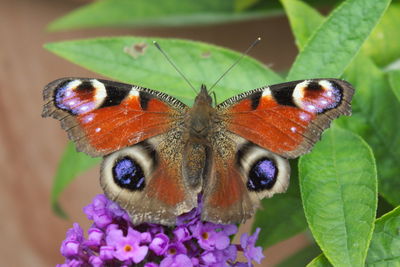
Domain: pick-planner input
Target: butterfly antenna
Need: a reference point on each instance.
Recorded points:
(173, 65)
(236, 62)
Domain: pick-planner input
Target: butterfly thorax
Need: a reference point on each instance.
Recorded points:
(200, 117)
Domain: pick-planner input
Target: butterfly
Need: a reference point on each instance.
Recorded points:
(160, 155)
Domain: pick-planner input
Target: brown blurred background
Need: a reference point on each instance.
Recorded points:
(30, 147)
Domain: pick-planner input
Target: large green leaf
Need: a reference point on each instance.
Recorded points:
(385, 243)
(394, 79)
(202, 63)
(335, 43)
(376, 117)
(123, 13)
(372, 102)
(283, 213)
(339, 192)
(72, 164)
(384, 248)
(151, 13)
(383, 44)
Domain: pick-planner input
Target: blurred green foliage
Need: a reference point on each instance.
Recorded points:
(128, 13)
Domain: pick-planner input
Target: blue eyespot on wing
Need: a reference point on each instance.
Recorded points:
(128, 174)
(262, 175)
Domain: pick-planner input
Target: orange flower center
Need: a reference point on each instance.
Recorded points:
(204, 235)
(127, 248)
(172, 251)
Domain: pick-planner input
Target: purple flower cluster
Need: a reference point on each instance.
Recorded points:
(113, 240)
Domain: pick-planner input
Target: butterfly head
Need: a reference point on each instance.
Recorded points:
(200, 116)
(203, 97)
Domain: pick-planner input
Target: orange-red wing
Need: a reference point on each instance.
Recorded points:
(166, 185)
(226, 198)
(103, 116)
(287, 118)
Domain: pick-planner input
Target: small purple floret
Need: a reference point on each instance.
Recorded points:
(95, 237)
(180, 260)
(127, 247)
(96, 261)
(248, 245)
(106, 253)
(151, 264)
(159, 244)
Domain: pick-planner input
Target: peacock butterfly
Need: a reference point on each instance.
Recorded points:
(160, 155)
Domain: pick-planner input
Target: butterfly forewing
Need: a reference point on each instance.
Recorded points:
(287, 118)
(103, 116)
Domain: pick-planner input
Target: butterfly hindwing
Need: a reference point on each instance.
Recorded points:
(146, 179)
(103, 116)
(287, 118)
(242, 174)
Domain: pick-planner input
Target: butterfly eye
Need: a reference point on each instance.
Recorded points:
(262, 175)
(128, 174)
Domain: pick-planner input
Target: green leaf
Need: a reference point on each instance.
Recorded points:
(320, 261)
(335, 43)
(151, 13)
(125, 13)
(385, 244)
(372, 102)
(302, 257)
(383, 44)
(339, 190)
(303, 20)
(202, 63)
(71, 164)
(394, 79)
(283, 213)
(376, 117)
